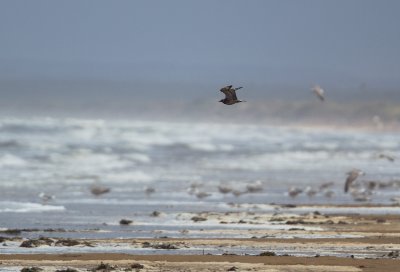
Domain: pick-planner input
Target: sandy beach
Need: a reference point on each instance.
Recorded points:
(342, 242)
(122, 262)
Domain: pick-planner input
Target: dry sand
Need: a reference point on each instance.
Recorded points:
(203, 263)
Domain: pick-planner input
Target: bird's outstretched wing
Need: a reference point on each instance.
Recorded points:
(228, 92)
(233, 91)
(352, 176)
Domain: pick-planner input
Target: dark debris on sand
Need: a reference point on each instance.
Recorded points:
(31, 269)
(393, 254)
(5, 239)
(19, 231)
(125, 222)
(67, 270)
(67, 242)
(42, 241)
(198, 218)
(11, 231)
(137, 266)
(104, 267)
(159, 245)
(267, 253)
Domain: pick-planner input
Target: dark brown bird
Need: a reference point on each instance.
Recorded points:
(230, 95)
(351, 177)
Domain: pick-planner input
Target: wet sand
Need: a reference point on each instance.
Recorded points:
(203, 263)
(342, 242)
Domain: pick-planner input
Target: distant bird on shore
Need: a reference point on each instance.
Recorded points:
(230, 95)
(294, 191)
(319, 92)
(351, 177)
(254, 187)
(46, 197)
(224, 189)
(99, 190)
(149, 190)
(202, 195)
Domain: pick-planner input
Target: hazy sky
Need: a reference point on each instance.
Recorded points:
(260, 44)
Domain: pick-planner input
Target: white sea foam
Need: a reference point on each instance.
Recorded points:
(9, 160)
(204, 146)
(138, 157)
(128, 176)
(25, 207)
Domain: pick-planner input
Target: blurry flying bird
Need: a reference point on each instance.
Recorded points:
(230, 95)
(351, 177)
(319, 92)
(388, 157)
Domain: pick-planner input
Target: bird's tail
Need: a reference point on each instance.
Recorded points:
(238, 88)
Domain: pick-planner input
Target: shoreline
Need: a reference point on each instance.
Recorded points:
(301, 242)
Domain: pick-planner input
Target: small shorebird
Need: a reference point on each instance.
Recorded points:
(254, 187)
(351, 177)
(310, 191)
(224, 189)
(294, 191)
(46, 197)
(230, 95)
(319, 92)
(99, 190)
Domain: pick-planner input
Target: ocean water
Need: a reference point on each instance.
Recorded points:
(184, 164)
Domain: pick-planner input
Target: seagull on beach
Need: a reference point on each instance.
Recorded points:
(230, 95)
(351, 177)
(319, 92)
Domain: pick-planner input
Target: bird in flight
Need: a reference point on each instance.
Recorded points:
(388, 157)
(351, 177)
(319, 92)
(230, 95)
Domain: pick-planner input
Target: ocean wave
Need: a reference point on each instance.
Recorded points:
(209, 147)
(128, 176)
(9, 160)
(9, 144)
(25, 207)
